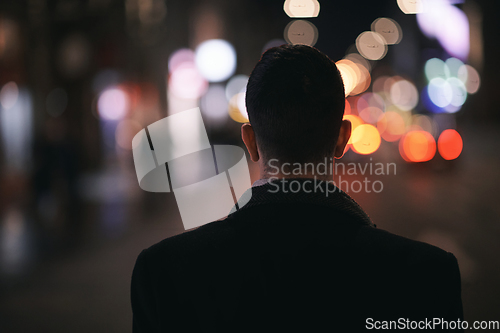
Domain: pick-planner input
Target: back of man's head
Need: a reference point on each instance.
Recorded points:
(295, 102)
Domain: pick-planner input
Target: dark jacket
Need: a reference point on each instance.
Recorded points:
(286, 262)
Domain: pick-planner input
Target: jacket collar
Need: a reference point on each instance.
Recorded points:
(301, 190)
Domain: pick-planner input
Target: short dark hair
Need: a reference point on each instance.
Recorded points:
(295, 102)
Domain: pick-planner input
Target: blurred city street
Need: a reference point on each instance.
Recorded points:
(79, 79)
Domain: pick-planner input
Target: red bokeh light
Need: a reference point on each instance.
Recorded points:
(450, 144)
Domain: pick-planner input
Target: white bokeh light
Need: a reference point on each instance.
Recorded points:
(371, 45)
(216, 60)
(214, 103)
(235, 85)
(8, 95)
(113, 104)
(440, 92)
(404, 95)
(448, 24)
(459, 92)
(186, 81)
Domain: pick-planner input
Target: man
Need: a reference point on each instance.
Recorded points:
(301, 255)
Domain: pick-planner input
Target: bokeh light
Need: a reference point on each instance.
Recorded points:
(236, 85)
(459, 92)
(301, 32)
(355, 76)
(355, 122)
(404, 95)
(440, 92)
(391, 126)
(301, 8)
(450, 144)
(113, 104)
(74, 55)
(389, 29)
(371, 114)
(216, 60)
(436, 68)
(421, 122)
(470, 77)
(370, 99)
(378, 84)
(187, 82)
(417, 146)
(371, 45)
(453, 65)
(214, 103)
(410, 6)
(125, 132)
(9, 38)
(237, 109)
(365, 139)
(179, 57)
(358, 59)
(348, 74)
(8, 95)
(347, 108)
(370, 107)
(448, 24)
(16, 126)
(363, 79)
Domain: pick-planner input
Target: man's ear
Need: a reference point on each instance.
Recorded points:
(344, 135)
(248, 136)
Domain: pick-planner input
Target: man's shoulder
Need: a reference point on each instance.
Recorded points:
(376, 243)
(387, 240)
(191, 241)
(407, 253)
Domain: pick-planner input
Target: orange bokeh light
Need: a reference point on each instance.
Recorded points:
(417, 146)
(347, 109)
(450, 144)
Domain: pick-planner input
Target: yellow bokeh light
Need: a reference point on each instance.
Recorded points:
(356, 77)
(364, 80)
(348, 74)
(235, 108)
(355, 122)
(365, 139)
